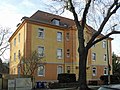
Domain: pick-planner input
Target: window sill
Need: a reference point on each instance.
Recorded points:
(40, 75)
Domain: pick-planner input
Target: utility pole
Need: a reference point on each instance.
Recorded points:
(108, 62)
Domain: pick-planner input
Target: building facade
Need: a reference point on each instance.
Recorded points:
(55, 39)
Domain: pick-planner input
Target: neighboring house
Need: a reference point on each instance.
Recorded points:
(4, 68)
(55, 38)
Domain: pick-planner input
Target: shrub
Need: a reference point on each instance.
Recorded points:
(113, 79)
(66, 78)
(63, 85)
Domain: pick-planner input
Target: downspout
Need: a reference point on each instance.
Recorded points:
(108, 63)
(72, 51)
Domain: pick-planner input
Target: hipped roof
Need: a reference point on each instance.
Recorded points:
(44, 17)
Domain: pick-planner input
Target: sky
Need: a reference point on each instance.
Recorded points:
(12, 11)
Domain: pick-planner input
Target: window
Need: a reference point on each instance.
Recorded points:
(14, 56)
(68, 52)
(94, 71)
(105, 57)
(104, 44)
(56, 22)
(94, 56)
(59, 69)
(59, 36)
(67, 36)
(93, 45)
(40, 33)
(19, 54)
(68, 69)
(59, 53)
(15, 42)
(41, 70)
(105, 71)
(19, 37)
(40, 51)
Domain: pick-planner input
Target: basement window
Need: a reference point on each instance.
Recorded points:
(94, 71)
(41, 70)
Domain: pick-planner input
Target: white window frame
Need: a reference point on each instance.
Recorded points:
(61, 69)
(94, 71)
(105, 57)
(94, 56)
(39, 71)
(104, 44)
(59, 36)
(59, 50)
(43, 52)
(42, 31)
(106, 70)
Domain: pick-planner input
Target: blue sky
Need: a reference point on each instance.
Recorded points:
(11, 12)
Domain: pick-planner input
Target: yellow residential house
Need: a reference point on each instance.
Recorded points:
(55, 38)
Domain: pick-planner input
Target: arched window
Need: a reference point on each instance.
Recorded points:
(94, 71)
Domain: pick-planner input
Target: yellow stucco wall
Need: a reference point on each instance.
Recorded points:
(49, 42)
(15, 49)
(100, 51)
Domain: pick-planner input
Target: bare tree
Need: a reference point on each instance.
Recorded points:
(4, 36)
(108, 9)
(28, 65)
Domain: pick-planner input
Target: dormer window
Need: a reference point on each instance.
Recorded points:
(56, 22)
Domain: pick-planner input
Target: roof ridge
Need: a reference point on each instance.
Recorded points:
(51, 14)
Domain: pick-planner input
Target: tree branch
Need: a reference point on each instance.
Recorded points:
(110, 12)
(72, 9)
(5, 48)
(85, 13)
(105, 37)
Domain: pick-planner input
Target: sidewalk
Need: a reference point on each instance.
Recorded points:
(58, 89)
(74, 88)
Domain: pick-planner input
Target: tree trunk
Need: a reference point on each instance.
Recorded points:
(82, 70)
